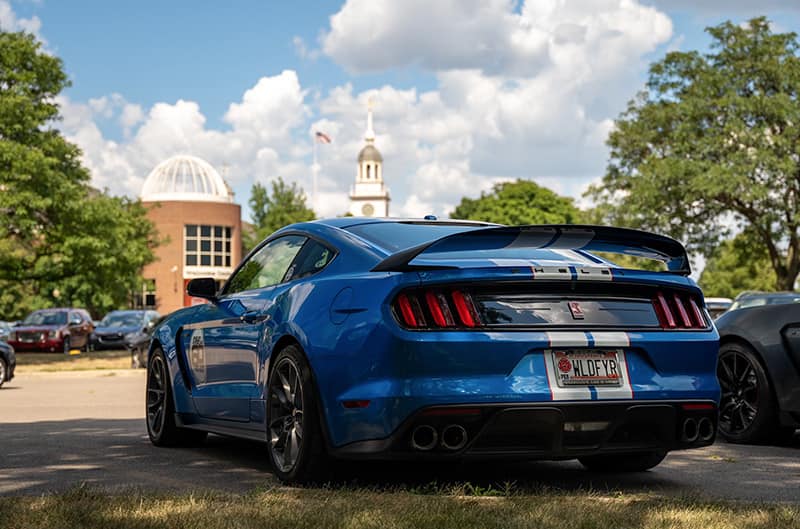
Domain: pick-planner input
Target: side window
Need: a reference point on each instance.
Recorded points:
(74, 316)
(267, 266)
(312, 258)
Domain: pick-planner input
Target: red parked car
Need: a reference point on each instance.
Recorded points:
(53, 330)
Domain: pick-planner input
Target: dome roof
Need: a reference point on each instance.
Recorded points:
(370, 154)
(185, 178)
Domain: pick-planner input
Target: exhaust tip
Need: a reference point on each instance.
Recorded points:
(705, 429)
(454, 437)
(690, 432)
(424, 437)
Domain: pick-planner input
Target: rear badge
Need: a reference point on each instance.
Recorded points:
(576, 310)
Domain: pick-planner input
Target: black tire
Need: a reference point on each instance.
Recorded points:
(638, 462)
(748, 412)
(3, 371)
(160, 408)
(295, 442)
(66, 345)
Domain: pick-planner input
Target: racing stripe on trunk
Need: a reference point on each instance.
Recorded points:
(566, 340)
(615, 340)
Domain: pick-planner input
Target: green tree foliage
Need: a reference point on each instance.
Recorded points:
(735, 265)
(57, 234)
(714, 142)
(285, 204)
(520, 202)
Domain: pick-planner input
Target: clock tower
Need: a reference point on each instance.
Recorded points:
(369, 197)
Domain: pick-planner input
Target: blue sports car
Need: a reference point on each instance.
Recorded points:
(425, 339)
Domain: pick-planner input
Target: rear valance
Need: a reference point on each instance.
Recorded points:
(557, 237)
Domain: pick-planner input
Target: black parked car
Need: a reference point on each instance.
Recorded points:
(8, 361)
(759, 372)
(124, 329)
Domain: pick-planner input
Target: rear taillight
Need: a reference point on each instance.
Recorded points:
(433, 308)
(678, 311)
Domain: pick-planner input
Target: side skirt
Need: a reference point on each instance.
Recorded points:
(187, 420)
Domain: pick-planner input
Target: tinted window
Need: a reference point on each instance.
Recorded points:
(122, 319)
(268, 266)
(396, 236)
(311, 259)
(46, 318)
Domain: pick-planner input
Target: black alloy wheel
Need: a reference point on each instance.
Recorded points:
(160, 408)
(748, 412)
(295, 443)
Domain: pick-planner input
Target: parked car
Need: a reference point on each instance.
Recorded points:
(717, 306)
(388, 339)
(140, 351)
(124, 329)
(757, 299)
(759, 372)
(5, 330)
(52, 330)
(8, 362)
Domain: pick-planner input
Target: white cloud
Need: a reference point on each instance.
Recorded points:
(9, 21)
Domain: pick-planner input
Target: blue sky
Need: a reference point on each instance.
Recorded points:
(467, 92)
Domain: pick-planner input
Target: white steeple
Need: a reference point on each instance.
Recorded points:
(369, 197)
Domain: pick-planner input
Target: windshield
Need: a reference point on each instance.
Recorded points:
(396, 236)
(46, 318)
(122, 319)
(758, 301)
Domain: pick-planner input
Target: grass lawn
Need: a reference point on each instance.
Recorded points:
(459, 507)
(39, 362)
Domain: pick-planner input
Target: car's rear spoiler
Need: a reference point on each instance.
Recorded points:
(555, 236)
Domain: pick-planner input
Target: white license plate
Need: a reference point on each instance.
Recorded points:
(587, 367)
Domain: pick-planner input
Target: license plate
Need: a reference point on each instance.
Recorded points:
(587, 367)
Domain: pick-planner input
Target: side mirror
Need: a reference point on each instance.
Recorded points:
(203, 287)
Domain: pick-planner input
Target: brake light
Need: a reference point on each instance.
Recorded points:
(672, 311)
(443, 309)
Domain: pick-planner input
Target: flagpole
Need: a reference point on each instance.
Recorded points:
(314, 173)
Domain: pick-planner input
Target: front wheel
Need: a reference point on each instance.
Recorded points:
(296, 448)
(66, 345)
(3, 372)
(623, 462)
(160, 408)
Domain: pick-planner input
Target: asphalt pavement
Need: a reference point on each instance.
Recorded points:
(60, 430)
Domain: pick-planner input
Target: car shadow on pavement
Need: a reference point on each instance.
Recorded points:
(116, 455)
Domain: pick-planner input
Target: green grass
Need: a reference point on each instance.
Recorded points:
(455, 507)
(50, 362)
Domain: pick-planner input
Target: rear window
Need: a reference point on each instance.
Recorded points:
(396, 236)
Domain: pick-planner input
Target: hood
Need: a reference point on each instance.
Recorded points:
(118, 330)
(36, 328)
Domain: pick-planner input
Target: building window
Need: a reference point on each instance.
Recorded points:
(146, 297)
(207, 245)
(369, 171)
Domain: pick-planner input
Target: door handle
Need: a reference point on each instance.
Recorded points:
(253, 316)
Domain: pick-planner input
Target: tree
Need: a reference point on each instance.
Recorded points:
(286, 204)
(735, 265)
(57, 234)
(520, 202)
(712, 147)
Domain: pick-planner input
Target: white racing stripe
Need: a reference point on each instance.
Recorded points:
(552, 272)
(615, 339)
(610, 339)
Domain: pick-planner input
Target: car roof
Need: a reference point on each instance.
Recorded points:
(348, 222)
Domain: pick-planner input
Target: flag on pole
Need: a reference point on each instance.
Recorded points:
(322, 137)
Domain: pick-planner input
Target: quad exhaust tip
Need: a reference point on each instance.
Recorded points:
(705, 429)
(424, 438)
(454, 437)
(690, 430)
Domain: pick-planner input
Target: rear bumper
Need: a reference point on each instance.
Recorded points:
(548, 430)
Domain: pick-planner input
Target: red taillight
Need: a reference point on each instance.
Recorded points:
(442, 309)
(673, 313)
(465, 308)
(406, 311)
(437, 304)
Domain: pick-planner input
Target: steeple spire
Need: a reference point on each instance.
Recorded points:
(370, 134)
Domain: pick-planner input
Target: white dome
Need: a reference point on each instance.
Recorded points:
(185, 178)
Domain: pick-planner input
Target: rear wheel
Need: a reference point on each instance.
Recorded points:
(638, 462)
(160, 408)
(296, 447)
(748, 412)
